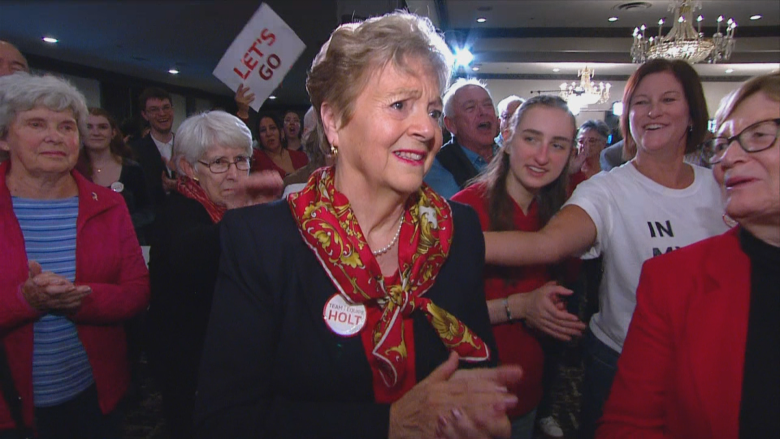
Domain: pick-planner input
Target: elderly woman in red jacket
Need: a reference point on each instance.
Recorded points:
(72, 270)
(701, 358)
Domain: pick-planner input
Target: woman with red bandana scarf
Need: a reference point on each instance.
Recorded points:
(342, 311)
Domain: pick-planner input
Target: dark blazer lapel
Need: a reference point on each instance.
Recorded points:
(717, 332)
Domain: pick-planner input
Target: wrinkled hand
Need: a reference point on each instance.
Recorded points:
(47, 291)
(259, 187)
(243, 99)
(480, 394)
(460, 425)
(546, 311)
(580, 155)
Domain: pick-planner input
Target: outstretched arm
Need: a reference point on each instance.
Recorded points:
(569, 233)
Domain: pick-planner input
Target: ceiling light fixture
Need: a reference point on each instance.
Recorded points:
(475, 68)
(612, 19)
(756, 17)
(683, 41)
(272, 97)
(729, 70)
(586, 92)
(463, 57)
(50, 40)
(481, 20)
(173, 72)
(556, 70)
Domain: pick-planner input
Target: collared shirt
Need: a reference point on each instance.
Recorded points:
(442, 181)
(165, 148)
(499, 140)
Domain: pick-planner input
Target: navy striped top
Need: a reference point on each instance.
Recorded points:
(61, 368)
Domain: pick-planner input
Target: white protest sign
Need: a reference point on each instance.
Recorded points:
(260, 56)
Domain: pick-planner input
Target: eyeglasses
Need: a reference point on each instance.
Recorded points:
(221, 165)
(755, 138)
(154, 111)
(589, 140)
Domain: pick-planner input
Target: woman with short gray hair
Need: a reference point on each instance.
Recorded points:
(212, 152)
(592, 138)
(72, 271)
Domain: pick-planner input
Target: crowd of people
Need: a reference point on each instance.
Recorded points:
(356, 276)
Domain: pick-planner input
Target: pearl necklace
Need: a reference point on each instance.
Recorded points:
(386, 248)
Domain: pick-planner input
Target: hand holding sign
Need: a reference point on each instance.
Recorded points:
(260, 56)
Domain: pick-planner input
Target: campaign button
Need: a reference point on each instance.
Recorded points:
(342, 317)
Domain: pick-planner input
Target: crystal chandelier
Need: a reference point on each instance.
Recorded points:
(586, 92)
(683, 41)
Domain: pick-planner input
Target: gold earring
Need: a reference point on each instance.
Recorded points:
(334, 151)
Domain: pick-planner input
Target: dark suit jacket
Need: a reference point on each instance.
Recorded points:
(680, 373)
(182, 268)
(148, 156)
(452, 157)
(271, 368)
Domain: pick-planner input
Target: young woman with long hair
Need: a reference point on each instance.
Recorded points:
(107, 160)
(522, 188)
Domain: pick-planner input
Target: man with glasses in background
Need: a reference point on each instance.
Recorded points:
(154, 150)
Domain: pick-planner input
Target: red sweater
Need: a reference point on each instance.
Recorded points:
(516, 344)
(109, 260)
(264, 163)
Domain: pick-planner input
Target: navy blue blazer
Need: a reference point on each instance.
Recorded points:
(271, 368)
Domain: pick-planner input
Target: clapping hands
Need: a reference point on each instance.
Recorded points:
(453, 403)
(47, 291)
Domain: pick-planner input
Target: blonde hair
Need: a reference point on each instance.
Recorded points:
(344, 65)
(768, 84)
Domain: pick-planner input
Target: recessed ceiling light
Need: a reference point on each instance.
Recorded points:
(173, 72)
(756, 17)
(272, 97)
(556, 70)
(612, 19)
(50, 40)
(481, 20)
(729, 70)
(475, 68)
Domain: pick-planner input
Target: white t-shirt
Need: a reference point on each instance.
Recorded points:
(637, 219)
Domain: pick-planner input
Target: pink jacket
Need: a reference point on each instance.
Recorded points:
(109, 260)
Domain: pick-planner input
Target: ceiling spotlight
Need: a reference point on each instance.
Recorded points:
(756, 17)
(729, 70)
(272, 97)
(475, 68)
(463, 57)
(173, 72)
(612, 19)
(483, 19)
(50, 40)
(556, 70)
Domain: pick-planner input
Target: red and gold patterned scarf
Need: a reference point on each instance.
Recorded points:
(191, 189)
(331, 230)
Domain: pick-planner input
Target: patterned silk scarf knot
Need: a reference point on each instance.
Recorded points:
(331, 230)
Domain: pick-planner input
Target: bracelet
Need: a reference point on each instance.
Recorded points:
(506, 308)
